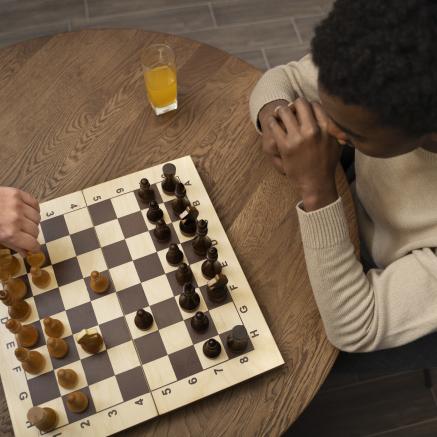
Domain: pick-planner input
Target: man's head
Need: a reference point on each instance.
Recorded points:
(377, 65)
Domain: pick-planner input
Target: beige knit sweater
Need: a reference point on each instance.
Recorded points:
(396, 202)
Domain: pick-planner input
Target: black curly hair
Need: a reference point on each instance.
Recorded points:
(382, 55)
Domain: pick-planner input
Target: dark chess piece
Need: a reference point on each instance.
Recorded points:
(43, 418)
(16, 287)
(188, 223)
(238, 339)
(216, 288)
(200, 322)
(90, 340)
(53, 327)
(170, 181)
(162, 231)
(143, 320)
(183, 274)
(212, 348)
(174, 256)
(98, 283)
(201, 242)
(145, 193)
(211, 266)
(32, 362)
(17, 309)
(181, 202)
(154, 213)
(57, 347)
(26, 335)
(189, 299)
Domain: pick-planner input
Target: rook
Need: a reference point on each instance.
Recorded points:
(98, 282)
(32, 361)
(170, 181)
(57, 347)
(183, 274)
(67, 378)
(145, 193)
(154, 213)
(238, 339)
(143, 320)
(45, 418)
(162, 231)
(211, 266)
(189, 299)
(200, 322)
(174, 255)
(201, 242)
(26, 335)
(77, 402)
(212, 348)
(53, 327)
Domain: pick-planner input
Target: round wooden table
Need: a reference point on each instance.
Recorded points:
(74, 113)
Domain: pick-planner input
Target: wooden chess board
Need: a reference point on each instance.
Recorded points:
(139, 374)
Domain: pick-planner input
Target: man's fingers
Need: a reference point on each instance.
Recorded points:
(32, 214)
(269, 146)
(286, 115)
(29, 200)
(277, 163)
(29, 227)
(278, 133)
(305, 114)
(25, 242)
(321, 117)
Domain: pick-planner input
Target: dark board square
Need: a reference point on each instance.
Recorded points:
(71, 356)
(67, 271)
(132, 299)
(74, 417)
(132, 224)
(49, 303)
(143, 205)
(25, 279)
(192, 258)
(209, 303)
(149, 267)
(197, 337)
(47, 261)
(115, 332)
(92, 294)
(102, 212)
(84, 241)
(166, 313)
(224, 338)
(116, 254)
(81, 317)
(43, 388)
(41, 339)
(185, 362)
(173, 217)
(132, 383)
(97, 367)
(175, 286)
(54, 228)
(150, 347)
(161, 246)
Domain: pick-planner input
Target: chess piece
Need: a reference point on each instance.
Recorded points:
(16, 287)
(212, 348)
(26, 335)
(188, 222)
(90, 340)
(17, 309)
(170, 181)
(77, 401)
(32, 361)
(183, 274)
(57, 347)
(162, 231)
(40, 277)
(45, 419)
(36, 259)
(200, 322)
(154, 213)
(211, 266)
(201, 242)
(143, 320)
(53, 327)
(174, 256)
(238, 339)
(145, 193)
(189, 299)
(216, 288)
(181, 202)
(67, 378)
(98, 282)
(9, 263)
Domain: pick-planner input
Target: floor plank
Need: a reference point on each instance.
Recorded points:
(254, 57)
(306, 26)
(285, 54)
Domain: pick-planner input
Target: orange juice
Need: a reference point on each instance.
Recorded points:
(161, 85)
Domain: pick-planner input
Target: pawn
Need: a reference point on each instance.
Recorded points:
(145, 193)
(188, 222)
(77, 402)
(183, 274)
(40, 278)
(216, 288)
(9, 263)
(16, 287)
(211, 266)
(143, 320)
(35, 259)
(57, 347)
(181, 202)
(32, 361)
(53, 327)
(98, 282)
(174, 256)
(43, 418)
(189, 299)
(154, 213)
(200, 322)
(26, 335)
(201, 242)
(238, 339)
(212, 348)
(67, 378)
(170, 181)
(17, 309)
(162, 231)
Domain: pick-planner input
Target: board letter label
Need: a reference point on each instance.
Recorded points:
(72, 206)
(224, 263)
(17, 369)
(195, 203)
(254, 333)
(10, 345)
(187, 183)
(232, 287)
(214, 242)
(4, 320)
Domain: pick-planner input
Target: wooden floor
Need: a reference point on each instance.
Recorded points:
(379, 394)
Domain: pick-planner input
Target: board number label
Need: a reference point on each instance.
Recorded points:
(244, 360)
(50, 213)
(119, 190)
(166, 392)
(112, 413)
(139, 401)
(192, 381)
(217, 371)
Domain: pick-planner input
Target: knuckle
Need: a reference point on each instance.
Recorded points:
(310, 131)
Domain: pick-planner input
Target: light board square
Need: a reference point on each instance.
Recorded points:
(175, 337)
(159, 372)
(124, 276)
(62, 317)
(157, 289)
(78, 220)
(109, 232)
(125, 204)
(188, 314)
(135, 332)
(140, 245)
(105, 393)
(81, 379)
(123, 357)
(48, 362)
(151, 225)
(167, 267)
(225, 317)
(52, 284)
(58, 406)
(83, 354)
(196, 268)
(74, 294)
(33, 316)
(90, 261)
(60, 249)
(209, 362)
(107, 308)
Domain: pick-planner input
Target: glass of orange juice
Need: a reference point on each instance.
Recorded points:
(159, 68)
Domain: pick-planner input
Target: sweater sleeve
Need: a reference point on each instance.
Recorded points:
(287, 82)
(362, 312)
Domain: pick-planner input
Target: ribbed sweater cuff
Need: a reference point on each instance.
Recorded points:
(324, 227)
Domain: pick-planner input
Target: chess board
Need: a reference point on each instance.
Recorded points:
(139, 374)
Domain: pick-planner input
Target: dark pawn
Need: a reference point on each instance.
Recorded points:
(181, 202)
(162, 231)
(169, 182)
(154, 213)
(183, 274)
(211, 266)
(201, 242)
(238, 339)
(143, 320)
(200, 322)
(212, 348)
(216, 288)
(145, 193)
(188, 223)
(174, 256)
(189, 300)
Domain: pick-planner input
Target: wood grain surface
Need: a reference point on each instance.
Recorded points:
(75, 113)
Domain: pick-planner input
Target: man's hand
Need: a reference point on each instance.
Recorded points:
(19, 220)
